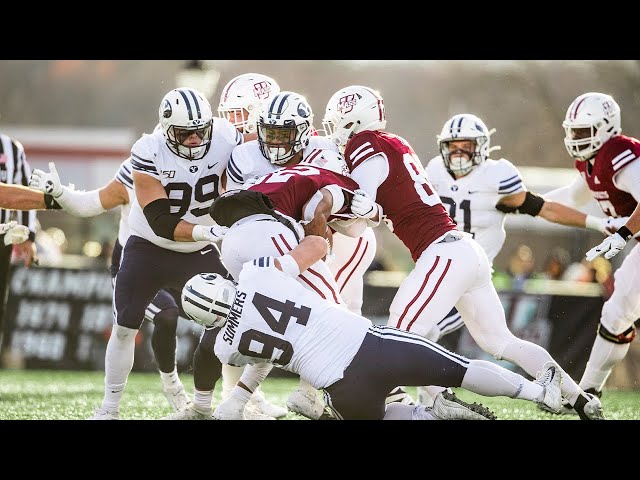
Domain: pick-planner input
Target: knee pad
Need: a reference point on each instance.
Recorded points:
(625, 337)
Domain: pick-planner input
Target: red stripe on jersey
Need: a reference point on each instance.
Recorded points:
(355, 267)
(301, 276)
(313, 272)
(350, 260)
(426, 279)
(446, 269)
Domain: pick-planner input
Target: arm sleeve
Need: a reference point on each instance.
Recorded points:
(371, 173)
(576, 194)
(81, 204)
(628, 180)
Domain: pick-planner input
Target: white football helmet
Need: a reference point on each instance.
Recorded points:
(464, 126)
(284, 127)
(351, 110)
(328, 160)
(207, 299)
(244, 97)
(183, 112)
(591, 120)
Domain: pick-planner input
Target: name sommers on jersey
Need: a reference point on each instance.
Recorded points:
(471, 200)
(191, 185)
(247, 161)
(265, 323)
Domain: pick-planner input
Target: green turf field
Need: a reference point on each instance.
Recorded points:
(56, 395)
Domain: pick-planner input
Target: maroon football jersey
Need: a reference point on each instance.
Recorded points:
(612, 157)
(291, 188)
(412, 208)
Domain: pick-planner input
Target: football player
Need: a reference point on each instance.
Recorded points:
(479, 191)
(610, 173)
(176, 172)
(163, 311)
(451, 268)
(269, 316)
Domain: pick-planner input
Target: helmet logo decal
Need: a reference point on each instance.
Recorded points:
(346, 103)
(262, 90)
(608, 108)
(303, 110)
(166, 109)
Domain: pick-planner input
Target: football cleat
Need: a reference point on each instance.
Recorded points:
(177, 397)
(447, 406)
(305, 403)
(259, 403)
(101, 414)
(189, 413)
(592, 409)
(550, 379)
(233, 409)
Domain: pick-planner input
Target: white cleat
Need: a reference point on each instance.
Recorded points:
(259, 403)
(177, 397)
(447, 406)
(305, 403)
(593, 409)
(550, 379)
(232, 409)
(252, 413)
(101, 414)
(189, 413)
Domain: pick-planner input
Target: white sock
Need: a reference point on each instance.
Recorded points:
(254, 375)
(230, 377)
(531, 357)
(604, 356)
(171, 381)
(491, 380)
(117, 365)
(240, 394)
(202, 400)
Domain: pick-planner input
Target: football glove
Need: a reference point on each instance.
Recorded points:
(14, 233)
(363, 206)
(609, 247)
(47, 182)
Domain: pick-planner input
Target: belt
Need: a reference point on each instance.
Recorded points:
(450, 237)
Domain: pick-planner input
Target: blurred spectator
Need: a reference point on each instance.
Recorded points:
(521, 265)
(555, 264)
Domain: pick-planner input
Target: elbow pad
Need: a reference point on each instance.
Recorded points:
(531, 206)
(161, 221)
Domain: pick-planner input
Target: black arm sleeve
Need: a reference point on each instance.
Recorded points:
(531, 206)
(158, 214)
(51, 203)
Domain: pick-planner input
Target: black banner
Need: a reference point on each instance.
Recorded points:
(59, 318)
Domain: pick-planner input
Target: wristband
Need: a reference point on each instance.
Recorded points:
(289, 265)
(625, 233)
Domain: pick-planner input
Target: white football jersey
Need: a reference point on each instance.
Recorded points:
(191, 185)
(275, 319)
(247, 161)
(125, 177)
(471, 200)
